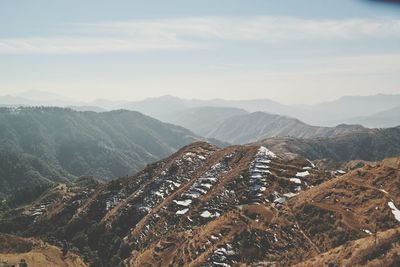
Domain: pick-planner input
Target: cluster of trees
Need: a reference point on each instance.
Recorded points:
(43, 144)
(26, 195)
(98, 246)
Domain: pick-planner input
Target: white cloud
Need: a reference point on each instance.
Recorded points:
(262, 28)
(375, 64)
(67, 45)
(197, 33)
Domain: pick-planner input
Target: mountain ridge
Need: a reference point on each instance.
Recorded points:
(371, 145)
(255, 126)
(383, 119)
(56, 144)
(327, 113)
(207, 206)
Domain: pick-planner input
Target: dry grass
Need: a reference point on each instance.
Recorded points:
(362, 252)
(40, 254)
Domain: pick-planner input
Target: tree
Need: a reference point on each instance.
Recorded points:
(65, 248)
(23, 263)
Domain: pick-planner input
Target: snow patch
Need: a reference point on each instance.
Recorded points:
(312, 164)
(295, 180)
(302, 174)
(207, 185)
(290, 195)
(280, 200)
(192, 194)
(265, 151)
(159, 194)
(275, 238)
(184, 203)
(216, 166)
(367, 231)
(174, 183)
(395, 211)
(207, 214)
(181, 212)
(215, 263)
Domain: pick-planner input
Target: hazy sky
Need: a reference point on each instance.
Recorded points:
(293, 51)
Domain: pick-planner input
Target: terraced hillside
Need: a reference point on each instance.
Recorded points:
(206, 206)
(364, 200)
(382, 249)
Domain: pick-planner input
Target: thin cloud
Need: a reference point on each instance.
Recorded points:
(71, 45)
(226, 66)
(198, 33)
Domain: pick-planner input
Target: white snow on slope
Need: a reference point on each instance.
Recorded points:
(207, 214)
(185, 202)
(302, 174)
(367, 231)
(395, 211)
(295, 180)
(180, 212)
(290, 195)
(312, 164)
(265, 151)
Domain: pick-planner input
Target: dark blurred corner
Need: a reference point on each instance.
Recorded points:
(383, 1)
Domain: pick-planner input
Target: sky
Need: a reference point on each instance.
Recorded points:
(291, 51)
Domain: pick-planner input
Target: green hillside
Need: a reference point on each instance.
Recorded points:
(39, 145)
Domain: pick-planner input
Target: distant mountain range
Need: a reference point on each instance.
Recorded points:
(44, 145)
(235, 121)
(237, 126)
(370, 145)
(38, 98)
(41, 145)
(255, 126)
(387, 118)
(344, 110)
(201, 120)
(369, 111)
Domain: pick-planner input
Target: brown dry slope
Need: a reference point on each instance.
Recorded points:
(205, 206)
(352, 206)
(202, 205)
(231, 212)
(382, 249)
(35, 253)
